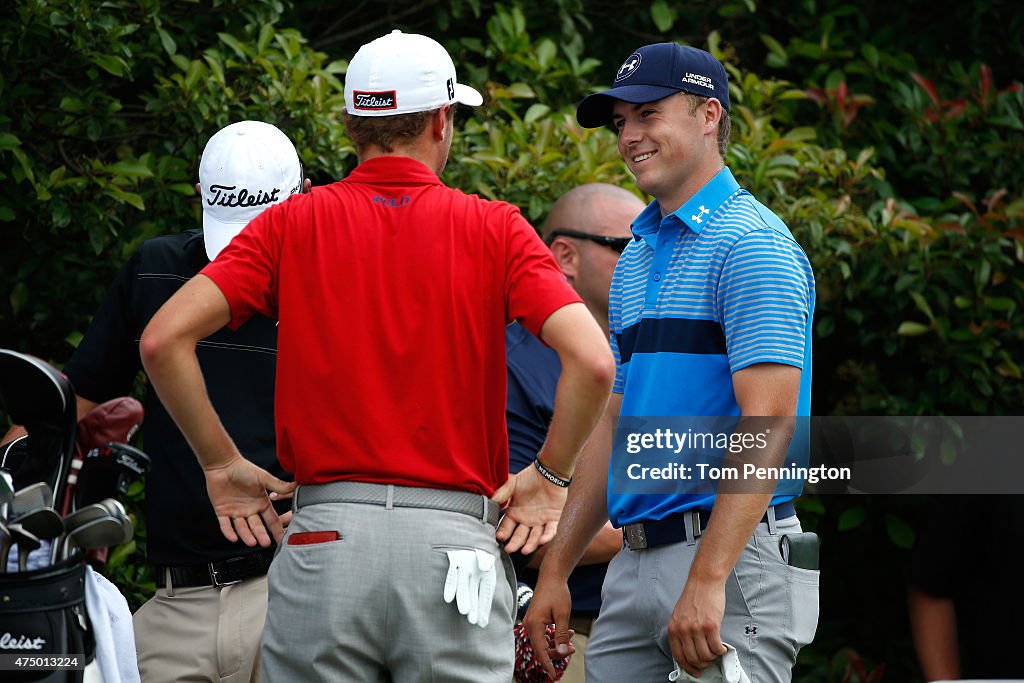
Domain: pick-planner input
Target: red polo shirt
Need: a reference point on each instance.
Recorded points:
(393, 292)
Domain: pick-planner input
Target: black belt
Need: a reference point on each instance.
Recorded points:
(672, 529)
(223, 573)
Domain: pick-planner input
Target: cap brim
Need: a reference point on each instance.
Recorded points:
(467, 95)
(596, 110)
(217, 234)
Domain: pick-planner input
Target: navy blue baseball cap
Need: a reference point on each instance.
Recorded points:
(654, 72)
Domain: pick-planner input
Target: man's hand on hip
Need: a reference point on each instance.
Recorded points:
(534, 507)
(238, 492)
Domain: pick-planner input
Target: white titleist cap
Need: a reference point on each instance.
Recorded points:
(401, 73)
(245, 168)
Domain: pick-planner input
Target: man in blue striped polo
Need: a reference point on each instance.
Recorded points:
(710, 314)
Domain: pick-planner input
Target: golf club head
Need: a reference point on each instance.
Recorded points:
(47, 525)
(114, 507)
(72, 522)
(31, 497)
(99, 556)
(26, 542)
(108, 471)
(84, 516)
(43, 522)
(98, 533)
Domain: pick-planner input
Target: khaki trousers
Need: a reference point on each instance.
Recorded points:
(202, 634)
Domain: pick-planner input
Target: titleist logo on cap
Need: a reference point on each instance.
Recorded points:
(223, 195)
(375, 100)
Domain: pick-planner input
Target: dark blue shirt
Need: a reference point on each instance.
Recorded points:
(533, 371)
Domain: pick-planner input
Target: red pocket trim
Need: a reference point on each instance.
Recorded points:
(313, 537)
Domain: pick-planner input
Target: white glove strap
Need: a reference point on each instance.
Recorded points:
(726, 669)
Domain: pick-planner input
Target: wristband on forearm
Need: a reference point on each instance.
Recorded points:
(551, 476)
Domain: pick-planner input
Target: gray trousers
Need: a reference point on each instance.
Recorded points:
(771, 610)
(370, 607)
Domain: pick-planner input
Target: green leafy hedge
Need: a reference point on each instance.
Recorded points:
(893, 154)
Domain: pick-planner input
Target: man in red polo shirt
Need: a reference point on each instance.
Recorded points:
(393, 292)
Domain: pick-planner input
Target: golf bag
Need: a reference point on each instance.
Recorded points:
(43, 615)
(42, 612)
(78, 468)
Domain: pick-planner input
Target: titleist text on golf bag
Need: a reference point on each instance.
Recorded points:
(44, 616)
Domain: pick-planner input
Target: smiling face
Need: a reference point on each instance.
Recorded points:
(671, 151)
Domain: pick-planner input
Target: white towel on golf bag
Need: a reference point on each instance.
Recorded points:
(726, 669)
(112, 626)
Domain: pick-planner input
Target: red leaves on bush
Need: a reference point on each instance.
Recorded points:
(839, 100)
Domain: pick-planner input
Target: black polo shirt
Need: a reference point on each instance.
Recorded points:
(238, 368)
(968, 551)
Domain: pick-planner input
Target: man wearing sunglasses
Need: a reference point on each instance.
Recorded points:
(587, 229)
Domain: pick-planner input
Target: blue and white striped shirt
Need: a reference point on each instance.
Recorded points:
(712, 288)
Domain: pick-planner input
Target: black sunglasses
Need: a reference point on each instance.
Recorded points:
(619, 244)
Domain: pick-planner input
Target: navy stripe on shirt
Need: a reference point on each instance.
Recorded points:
(672, 335)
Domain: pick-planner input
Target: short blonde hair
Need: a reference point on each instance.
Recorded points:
(724, 124)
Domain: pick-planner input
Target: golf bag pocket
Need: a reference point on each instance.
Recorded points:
(43, 615)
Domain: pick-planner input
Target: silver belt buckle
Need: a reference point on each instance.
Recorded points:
(217, 582)
(636, 539)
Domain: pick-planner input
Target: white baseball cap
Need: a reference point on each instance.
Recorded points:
(402, 73)
(245, 168)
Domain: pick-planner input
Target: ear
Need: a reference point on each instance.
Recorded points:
(199, 190)
(439, 123)
(307, 185)
(566, 256)
(713, 113)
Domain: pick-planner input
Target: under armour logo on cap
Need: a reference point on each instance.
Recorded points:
(629, 66)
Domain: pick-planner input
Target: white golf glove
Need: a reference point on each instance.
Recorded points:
(470, 582)
(726, 670)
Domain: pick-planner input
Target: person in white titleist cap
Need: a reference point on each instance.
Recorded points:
(393, 293)
(206, 620)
